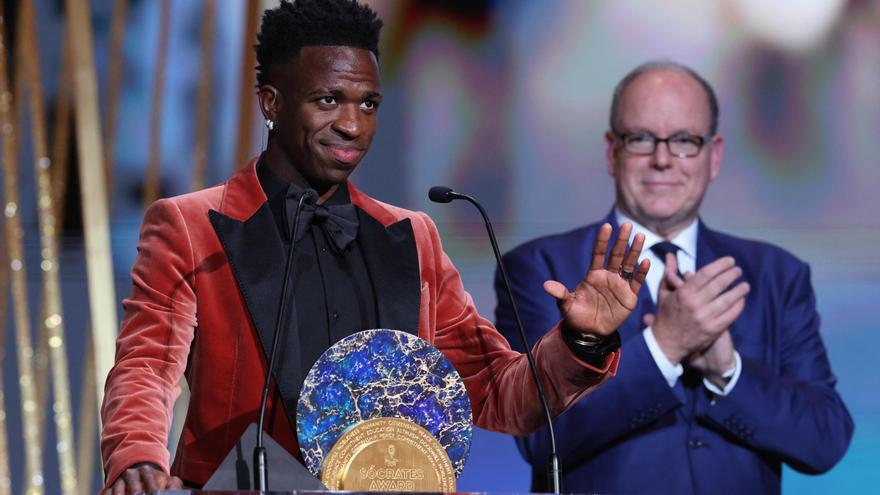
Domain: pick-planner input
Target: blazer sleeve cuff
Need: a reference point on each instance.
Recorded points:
(565, 377)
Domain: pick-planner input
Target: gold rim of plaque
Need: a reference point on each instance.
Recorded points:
(388, 455)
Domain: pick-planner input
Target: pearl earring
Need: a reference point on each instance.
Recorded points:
(270, 125)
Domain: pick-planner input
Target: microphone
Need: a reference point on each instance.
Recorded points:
(260, 469)
(443, 194)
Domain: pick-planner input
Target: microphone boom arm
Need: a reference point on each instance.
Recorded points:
(261, 476)
(445, 195)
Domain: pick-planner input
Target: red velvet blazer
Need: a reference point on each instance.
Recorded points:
(195, 310)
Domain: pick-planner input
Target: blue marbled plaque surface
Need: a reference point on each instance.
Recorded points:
(382, 373)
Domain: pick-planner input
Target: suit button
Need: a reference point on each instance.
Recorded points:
(695, 444)
(335, 316)
(323, 249)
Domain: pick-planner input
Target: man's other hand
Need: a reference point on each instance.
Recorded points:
(694, 312)
(144, 477)
(607, 295)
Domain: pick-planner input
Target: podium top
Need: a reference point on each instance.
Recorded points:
(305, 492)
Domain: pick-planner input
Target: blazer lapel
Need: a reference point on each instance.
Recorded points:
(706, 249)
(256, 254)
(392, 260)
(709, 249)
(257, 257)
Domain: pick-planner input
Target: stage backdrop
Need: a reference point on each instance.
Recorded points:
(508, 101)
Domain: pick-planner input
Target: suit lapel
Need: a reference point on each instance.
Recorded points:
(257, 257)
(256, 254)
(709, 249)
(392, 260)
(706, 249)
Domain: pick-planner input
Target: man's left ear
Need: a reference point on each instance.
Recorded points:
(717, 153)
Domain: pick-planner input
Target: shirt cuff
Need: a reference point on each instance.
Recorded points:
(671, 372)
(732, 375)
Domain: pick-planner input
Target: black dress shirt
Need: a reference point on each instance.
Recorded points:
(332, 291)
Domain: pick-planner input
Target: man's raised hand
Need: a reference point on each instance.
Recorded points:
(608, 293)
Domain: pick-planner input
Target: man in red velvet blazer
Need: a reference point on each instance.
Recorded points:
(210, 265)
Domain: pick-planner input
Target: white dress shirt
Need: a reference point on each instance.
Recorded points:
(686, 257)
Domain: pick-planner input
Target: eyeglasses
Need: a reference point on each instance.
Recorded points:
(682, 145)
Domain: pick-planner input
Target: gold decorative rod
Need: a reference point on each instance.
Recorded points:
(114, 84)
(203, 99)
(5, 475)
(52, 320)
(61, 135)
(153, 176)
(247, 98)
(87, 426)
(33, 479)
(93, 190)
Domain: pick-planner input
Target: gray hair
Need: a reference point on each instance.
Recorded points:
(614, 118)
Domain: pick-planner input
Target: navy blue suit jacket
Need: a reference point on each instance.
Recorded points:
(635, 434)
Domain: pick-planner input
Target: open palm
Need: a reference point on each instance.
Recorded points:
(606, 296)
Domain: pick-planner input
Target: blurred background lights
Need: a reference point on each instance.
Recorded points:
(791, 25)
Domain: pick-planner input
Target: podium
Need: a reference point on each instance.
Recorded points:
(235, 473)
(303, 492)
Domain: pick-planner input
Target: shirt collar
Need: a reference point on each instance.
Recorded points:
(686, 240)
(276, 190)
(274, 186)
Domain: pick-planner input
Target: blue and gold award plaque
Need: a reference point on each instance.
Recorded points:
(383, 410)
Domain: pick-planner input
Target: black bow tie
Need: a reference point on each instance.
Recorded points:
(339, 223)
